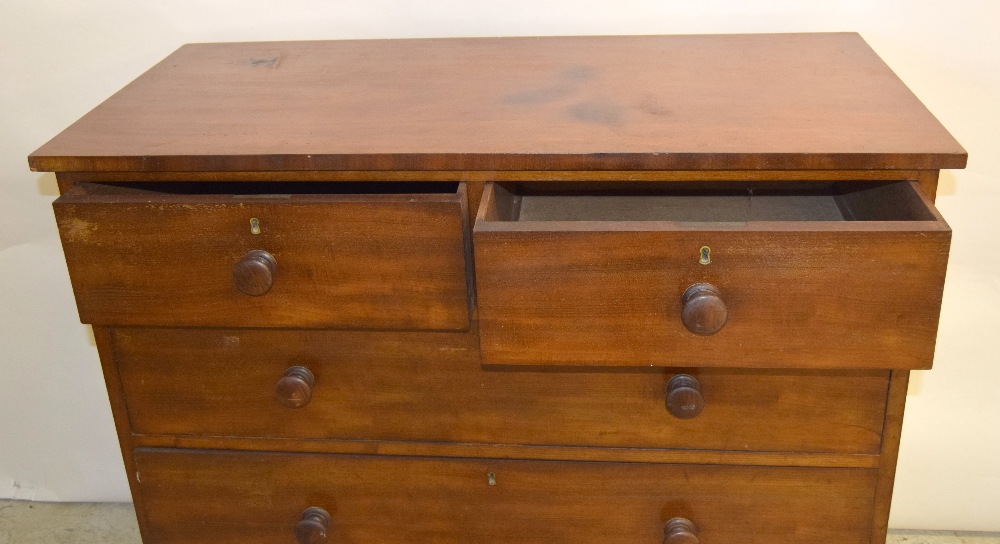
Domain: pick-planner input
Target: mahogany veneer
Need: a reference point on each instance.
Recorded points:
(784, 293)
(429, 387)
(232, 497)
(578, 289)
(370, 261)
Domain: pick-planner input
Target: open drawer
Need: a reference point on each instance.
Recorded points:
(271, 254)
(726, 274)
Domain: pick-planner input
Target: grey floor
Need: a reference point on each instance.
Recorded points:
(24, 522)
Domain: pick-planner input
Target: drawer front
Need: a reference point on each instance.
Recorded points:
(792, 293)
(430, 387)
(358, 261)
(221, 497)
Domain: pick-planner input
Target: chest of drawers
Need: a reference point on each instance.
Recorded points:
(647, 289)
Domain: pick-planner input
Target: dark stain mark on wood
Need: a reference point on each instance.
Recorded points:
(579, 74)
(599, 111)
(649, 104)
(539, 96)
(272, 62)
(567, 83)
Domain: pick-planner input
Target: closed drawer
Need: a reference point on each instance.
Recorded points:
(268, 254)
(833, 275)
(430, 387)
(230, 497)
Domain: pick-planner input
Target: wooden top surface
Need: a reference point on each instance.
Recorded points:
(764, 101)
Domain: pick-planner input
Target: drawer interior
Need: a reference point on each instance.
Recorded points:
(710, 202)
(263, 188)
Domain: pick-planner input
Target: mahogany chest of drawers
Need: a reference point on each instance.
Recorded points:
(610, 289)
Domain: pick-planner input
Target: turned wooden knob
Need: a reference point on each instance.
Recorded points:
(294, 389)
(254, 274)
(703, 310)
(684, 399)
(680, 531)
(312, 529)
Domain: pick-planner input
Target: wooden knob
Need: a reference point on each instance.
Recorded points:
(680, 531)
(684, 399)
(254, 273)
(294, 389)
(703, 310)
(312, 529)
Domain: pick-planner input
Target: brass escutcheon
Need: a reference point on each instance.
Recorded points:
(705, 257)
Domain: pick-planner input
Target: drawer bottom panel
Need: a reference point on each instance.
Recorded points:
(228, 497)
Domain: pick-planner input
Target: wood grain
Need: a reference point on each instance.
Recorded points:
(566, 433)
(895, 406)
(929, 183)
(430, 388)
(224, 497)
(360, 261)
(557, 103)
(104, 340)
(67, 179)
(848, 294)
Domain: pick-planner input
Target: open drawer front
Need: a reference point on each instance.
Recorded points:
(268, 254)
(723, 274)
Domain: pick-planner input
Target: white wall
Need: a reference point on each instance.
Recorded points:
(61, 58)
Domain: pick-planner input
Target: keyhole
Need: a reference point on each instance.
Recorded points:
(491, 478)
(705, 257)
(254, 226)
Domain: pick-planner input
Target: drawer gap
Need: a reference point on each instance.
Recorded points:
(715, 202)
(242, 189)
